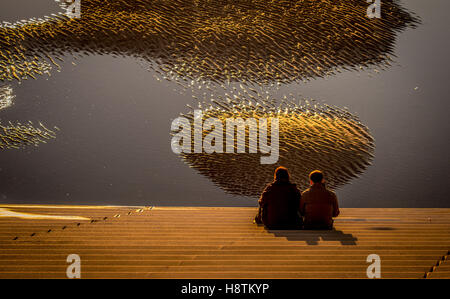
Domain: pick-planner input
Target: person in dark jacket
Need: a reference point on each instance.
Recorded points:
(318, 205)
(279, 203)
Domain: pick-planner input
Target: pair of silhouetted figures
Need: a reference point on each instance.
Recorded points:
(282, 206)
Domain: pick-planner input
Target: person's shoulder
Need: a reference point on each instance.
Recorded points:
(294, 187)
(331, 192)
(268, 186)
(306, 191)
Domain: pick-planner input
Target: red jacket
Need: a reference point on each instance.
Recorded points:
(318, 206)
(279, 205)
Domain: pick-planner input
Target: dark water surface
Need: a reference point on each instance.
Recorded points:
(113, 146)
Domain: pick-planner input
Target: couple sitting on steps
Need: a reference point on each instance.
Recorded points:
(281, 205)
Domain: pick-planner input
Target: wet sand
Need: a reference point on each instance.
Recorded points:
(184, 242)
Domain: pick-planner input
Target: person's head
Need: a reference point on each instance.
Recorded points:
(281, 174)
(316, 177)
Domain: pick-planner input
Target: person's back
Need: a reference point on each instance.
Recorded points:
(318, 205)
(280, 203)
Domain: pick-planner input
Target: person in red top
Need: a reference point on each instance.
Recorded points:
(279, 203)
(318, 205)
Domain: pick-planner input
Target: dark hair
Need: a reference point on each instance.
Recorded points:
(316, 176)
(281, 173)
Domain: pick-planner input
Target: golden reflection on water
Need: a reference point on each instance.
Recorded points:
(256, 41)
(208, 41)
(311, 136)
(15, 136)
